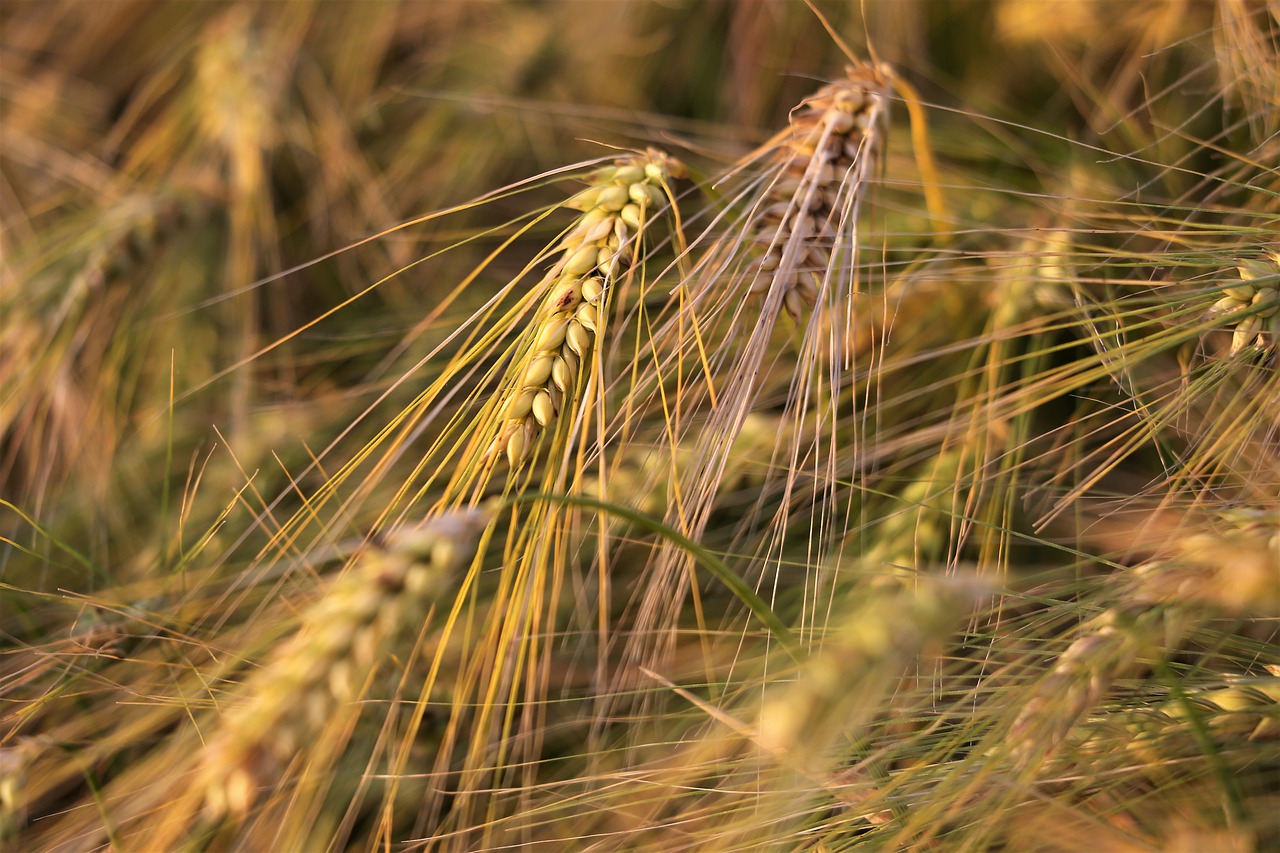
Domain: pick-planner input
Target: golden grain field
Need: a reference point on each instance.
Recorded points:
(640, 425)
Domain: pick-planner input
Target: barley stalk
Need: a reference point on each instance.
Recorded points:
(323, 668)
(595, 253)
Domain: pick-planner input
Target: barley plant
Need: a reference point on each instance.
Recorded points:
(636, 425)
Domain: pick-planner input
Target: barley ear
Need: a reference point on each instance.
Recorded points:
(835, 140)
(1256, 299)
(839, 687)
(321, 670)
(595, 253)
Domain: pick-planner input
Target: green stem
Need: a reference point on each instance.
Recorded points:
(705, 558)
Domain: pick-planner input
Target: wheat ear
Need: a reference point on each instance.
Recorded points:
(323, 668)
(595, 253)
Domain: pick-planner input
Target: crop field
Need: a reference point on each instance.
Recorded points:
(640, 425)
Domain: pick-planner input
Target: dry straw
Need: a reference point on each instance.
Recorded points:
(324, 668)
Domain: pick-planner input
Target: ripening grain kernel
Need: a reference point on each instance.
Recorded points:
(626, 175)
(592, 288)
(621, 236)
(807, 287)
(1226, 305)
(538, 371)
(562, 374)
(774, 213)
(567, 296)
(613, 198)
(596, 231)
(1253, 268)
(581, 261)
(587, 316)
(577, 339)
(793, 303)
(516, 446)
(586, 200)
(1245, 330)
(631, 216)
(802, 229)
(552, 335)
(543, 410)
(639, 194)
(1240, 292)
(522, 405)
(656, 197)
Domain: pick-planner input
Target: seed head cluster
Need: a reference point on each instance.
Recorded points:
(834, 141)
(1257, 298)
(322, 669)
(595, 252)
